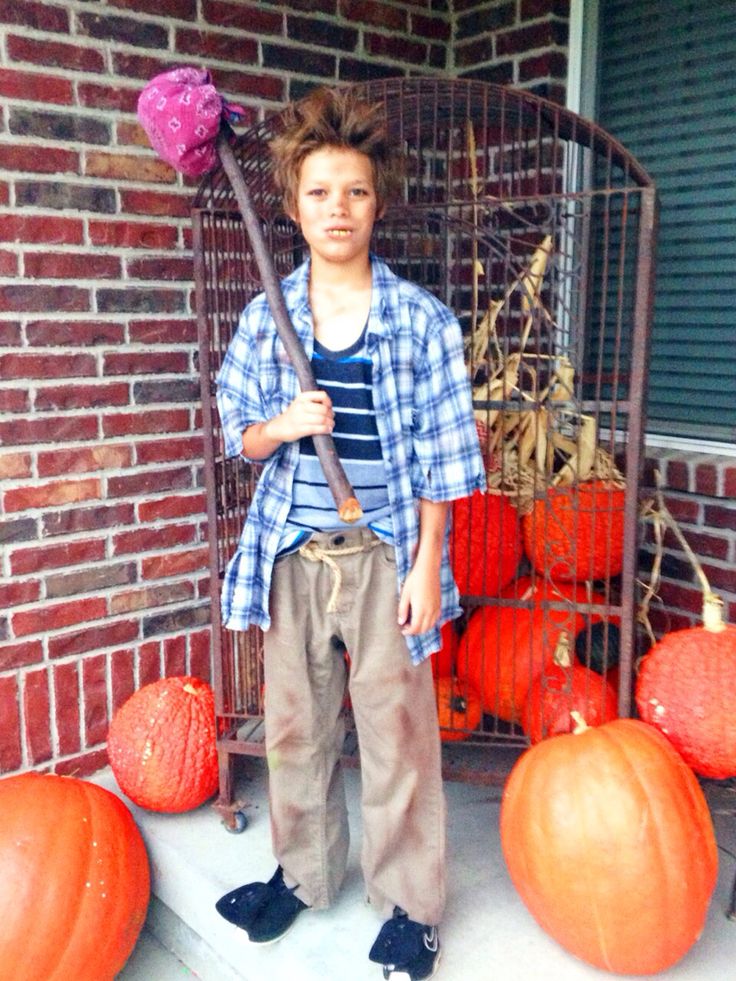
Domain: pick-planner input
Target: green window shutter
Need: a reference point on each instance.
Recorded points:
(667, 91)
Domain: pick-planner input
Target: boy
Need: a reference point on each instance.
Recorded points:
(395, 395)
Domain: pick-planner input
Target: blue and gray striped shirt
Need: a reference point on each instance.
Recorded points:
(346, 377)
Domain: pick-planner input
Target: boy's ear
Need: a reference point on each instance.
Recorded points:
(381, 212)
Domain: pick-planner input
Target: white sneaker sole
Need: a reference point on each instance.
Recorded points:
(396, 975)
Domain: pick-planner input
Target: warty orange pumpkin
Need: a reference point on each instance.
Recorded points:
(577, 532)
(162, 745)
(686, 687)
(485, 543)
(561, 691)
(609, 841)
(74, 880)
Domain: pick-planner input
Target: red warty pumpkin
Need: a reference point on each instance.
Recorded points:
(161, 745)
(686, 686)
(609, 841)
(485, 543)
(458, 709)
(504, 648)
(564, 688)
(577, 532)
(74, 880)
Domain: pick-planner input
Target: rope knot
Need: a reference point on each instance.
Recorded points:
(315, 552)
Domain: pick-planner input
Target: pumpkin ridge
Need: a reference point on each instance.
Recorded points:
(605, 926)
(82, 896)
(681, 798)
(41, 961)
(584, 870)
(658, 940)
(55, 965)
(120, 922)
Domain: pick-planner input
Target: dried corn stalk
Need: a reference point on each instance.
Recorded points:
(535, 438)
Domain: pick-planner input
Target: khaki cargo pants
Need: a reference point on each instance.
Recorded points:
(403, 806)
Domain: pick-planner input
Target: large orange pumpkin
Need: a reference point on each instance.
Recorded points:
(686, 686)
(162, 747)
(564, 688)
(608, 840)
(74, 880)
(504, 648)
(577, 532)
(485, 544)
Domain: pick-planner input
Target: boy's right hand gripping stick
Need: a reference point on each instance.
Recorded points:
(184, 95)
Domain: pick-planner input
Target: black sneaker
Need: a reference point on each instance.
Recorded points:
(405, 947)
(265, 910)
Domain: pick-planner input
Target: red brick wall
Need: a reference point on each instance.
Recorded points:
(514, 42)
(103, 572)
(102, 530)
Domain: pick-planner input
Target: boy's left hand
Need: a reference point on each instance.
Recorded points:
(419, 601)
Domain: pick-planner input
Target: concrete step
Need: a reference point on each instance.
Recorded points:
(487, 931)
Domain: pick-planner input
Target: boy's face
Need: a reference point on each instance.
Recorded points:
(336, 204)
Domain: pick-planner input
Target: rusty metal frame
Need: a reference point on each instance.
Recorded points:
(540, 165)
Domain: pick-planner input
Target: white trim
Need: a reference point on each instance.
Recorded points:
(582, 56)
(689, 445)
(575, 57)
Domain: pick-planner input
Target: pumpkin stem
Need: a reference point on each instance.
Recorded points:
(712, 604)
(561, 656)
(458, 705)
(580, 724)
(713, 613)
(189, 689)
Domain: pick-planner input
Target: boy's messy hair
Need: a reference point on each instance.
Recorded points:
(334, 118)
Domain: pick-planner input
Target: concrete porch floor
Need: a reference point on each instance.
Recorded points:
(487, 932)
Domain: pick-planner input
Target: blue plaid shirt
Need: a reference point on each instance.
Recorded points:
(424, 416)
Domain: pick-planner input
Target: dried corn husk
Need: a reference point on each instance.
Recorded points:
(537, 437)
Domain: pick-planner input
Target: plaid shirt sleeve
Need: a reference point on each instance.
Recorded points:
(239, 399)
(446, 441)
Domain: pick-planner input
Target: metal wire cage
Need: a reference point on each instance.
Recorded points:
(537, 228)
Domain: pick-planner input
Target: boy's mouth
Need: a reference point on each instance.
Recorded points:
(339, 232)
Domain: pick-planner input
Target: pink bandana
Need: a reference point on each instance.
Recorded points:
(180, 110)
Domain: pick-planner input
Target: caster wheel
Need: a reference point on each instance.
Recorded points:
(238, 824)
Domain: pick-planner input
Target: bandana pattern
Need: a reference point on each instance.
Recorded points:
(181, 111)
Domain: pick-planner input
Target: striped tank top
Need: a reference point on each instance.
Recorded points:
(346, 377)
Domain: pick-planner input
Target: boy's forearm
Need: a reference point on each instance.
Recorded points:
(308, 414)
(420, 597)
(432, 523)
(260, 440)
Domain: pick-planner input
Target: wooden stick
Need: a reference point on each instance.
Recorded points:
(348, 508)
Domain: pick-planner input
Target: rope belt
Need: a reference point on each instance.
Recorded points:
(318, 553)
